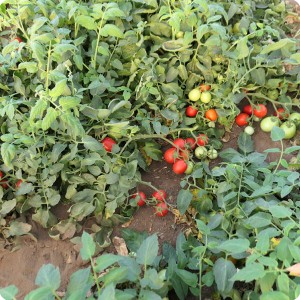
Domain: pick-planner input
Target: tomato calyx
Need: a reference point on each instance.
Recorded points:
(190, 143)
(202, 139)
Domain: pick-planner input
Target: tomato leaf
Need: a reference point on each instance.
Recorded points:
(48, 277)
(184, 199)
(245, 143)
(251, 271)
(277, 134)
(88, 246)
(223, 271)
(9, 292)
(148, 251)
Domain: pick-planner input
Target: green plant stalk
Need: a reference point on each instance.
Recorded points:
(280, 157)
(48, 67)
(95, 276)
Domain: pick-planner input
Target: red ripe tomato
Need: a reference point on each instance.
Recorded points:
(139, 198)
(204, 87)
(260, 111)
(179, 143)
(191, 111)
(242, 119)
(179, 166)
(108, 143)
(160, 195)
(211, 114)
(190, 143)
(184, 154)
(281, 113)
(202, 139)
(3, 182)
(161, 209)
(171, 155)
(248, 110)
(18, 39)
(19, 182)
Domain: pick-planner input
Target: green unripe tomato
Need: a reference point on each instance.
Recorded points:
(289, 129)
(249, 130)
(212, 153)
(295, 117)
(194, 95)
(205, 97)
(190, 167)
(179, 34)
(236, 28)
(268, 123)
(273, 94)
(201, 152)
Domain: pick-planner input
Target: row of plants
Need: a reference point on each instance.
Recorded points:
(246, 229)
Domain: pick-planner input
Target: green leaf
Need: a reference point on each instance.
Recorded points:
(80, 283)
(283, 283)
(105, 260)
(49, 118)
(235, 245)
(9, 292)
(59, 89)
(8, 153)
(152, 150)
(25, 188)
(69, 102)
(133, 238)
(18, 85)
(48, 276)
(148, 251)
(191, 279)
(259, 76)
(148, 295)
(86, 22)
(117, 275)
(88, 246)
(252, 271)
(224, 270)
(38, 110)
(40, 293)
(184, 199)
(91, 143)
(274, 295)
(277, 45)
(108, 292)
(111, 30)
(259, 220)
(277, 134)
(202, 227)
(8, 206)
(38, 52)
(281, 212)
(242, 48)
(151, 280)
(30, 66)
(262, 191)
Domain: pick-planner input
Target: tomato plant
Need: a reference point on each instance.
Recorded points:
(160, 195)
(260, 111)
(191, 111)
(242, 119)
(281, 113)
(268, 123)
(180, 166)
(139, 198)
(289, 129)
(211, 114)
(295, 117)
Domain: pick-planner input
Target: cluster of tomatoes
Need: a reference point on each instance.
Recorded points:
(4, 182)
(203, 96)
(281, 117)
(179, 154)
(158, 198)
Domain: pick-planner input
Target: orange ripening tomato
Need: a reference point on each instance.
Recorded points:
(211, 114)
(204, 87)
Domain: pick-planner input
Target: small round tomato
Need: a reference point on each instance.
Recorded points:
(139, 198)
(160, 195)
(273, 94)
(295, 117)
(242, 119)
(18, 184)
(194, 95)
(189, 169)
(211, 114)
(179, 166)
(249, 130)
(161, 209)
(205, 97)
(281, 113)
(108, 143)
(171, 155)
(212, 153)
(204, 87)
(190, 143)
(191, 111)
(201, 152)
(268, 123)
(202, 139)
(289, 129)
(260, 111)
(248, 109)
(179, 143)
